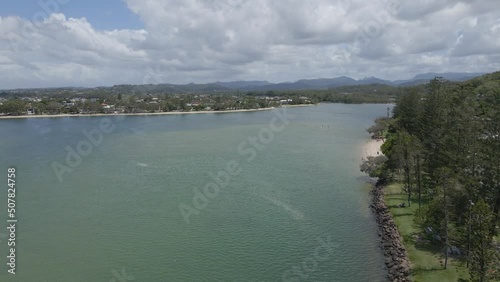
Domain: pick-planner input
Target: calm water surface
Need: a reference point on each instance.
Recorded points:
(115, 216)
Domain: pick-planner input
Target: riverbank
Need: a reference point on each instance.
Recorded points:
(391, 242)
(150, 114)
(372, 148)
(427, 260)
(408, 257)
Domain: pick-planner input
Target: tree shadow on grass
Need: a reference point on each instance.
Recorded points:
(394, 205)
(428, 247)
(434, 248)
(410, 238)
(403, 214)
(422, 270)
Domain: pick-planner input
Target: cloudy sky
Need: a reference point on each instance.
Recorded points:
(50, 43)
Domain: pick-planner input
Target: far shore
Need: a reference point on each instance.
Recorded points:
(152, 114)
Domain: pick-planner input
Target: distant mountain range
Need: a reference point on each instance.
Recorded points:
(303, 84)
(327, 83)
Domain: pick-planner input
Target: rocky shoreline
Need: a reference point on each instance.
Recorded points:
(391, 243)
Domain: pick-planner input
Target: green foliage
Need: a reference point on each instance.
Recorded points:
(408, 111)
(13, 107)
(73, 109)
(379, 128)
(432, 215)
(444, 145)
(425, 255)
(388, 145)
(482, 254)
(374, 166)
(54, 107)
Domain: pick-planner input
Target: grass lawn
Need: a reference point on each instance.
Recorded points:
(427, 260)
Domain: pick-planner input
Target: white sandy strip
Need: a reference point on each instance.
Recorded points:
(137, 114)
(152, 114)
(372, 147)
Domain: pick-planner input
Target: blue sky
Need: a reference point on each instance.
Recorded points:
(102, 14)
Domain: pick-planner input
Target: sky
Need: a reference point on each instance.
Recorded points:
(55, 43)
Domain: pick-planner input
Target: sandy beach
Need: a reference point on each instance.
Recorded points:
(372, 147)
(135, 114)
(150, 114)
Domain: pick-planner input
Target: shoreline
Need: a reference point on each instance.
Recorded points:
(391, 243)
(372, 148)
(153, 114)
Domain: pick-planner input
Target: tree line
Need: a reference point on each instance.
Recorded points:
(90, 101)
(443, 143)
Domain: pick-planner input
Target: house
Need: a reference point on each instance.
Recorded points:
(286, 101)
(68, 105)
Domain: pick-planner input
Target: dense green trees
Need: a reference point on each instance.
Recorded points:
(13, 107)
(444, 145)
(378, 130)
(374, 166)
(150, 98)
(482, 253)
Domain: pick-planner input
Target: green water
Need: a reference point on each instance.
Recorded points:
(118, 211)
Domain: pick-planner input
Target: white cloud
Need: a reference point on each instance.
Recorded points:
(208, 40)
